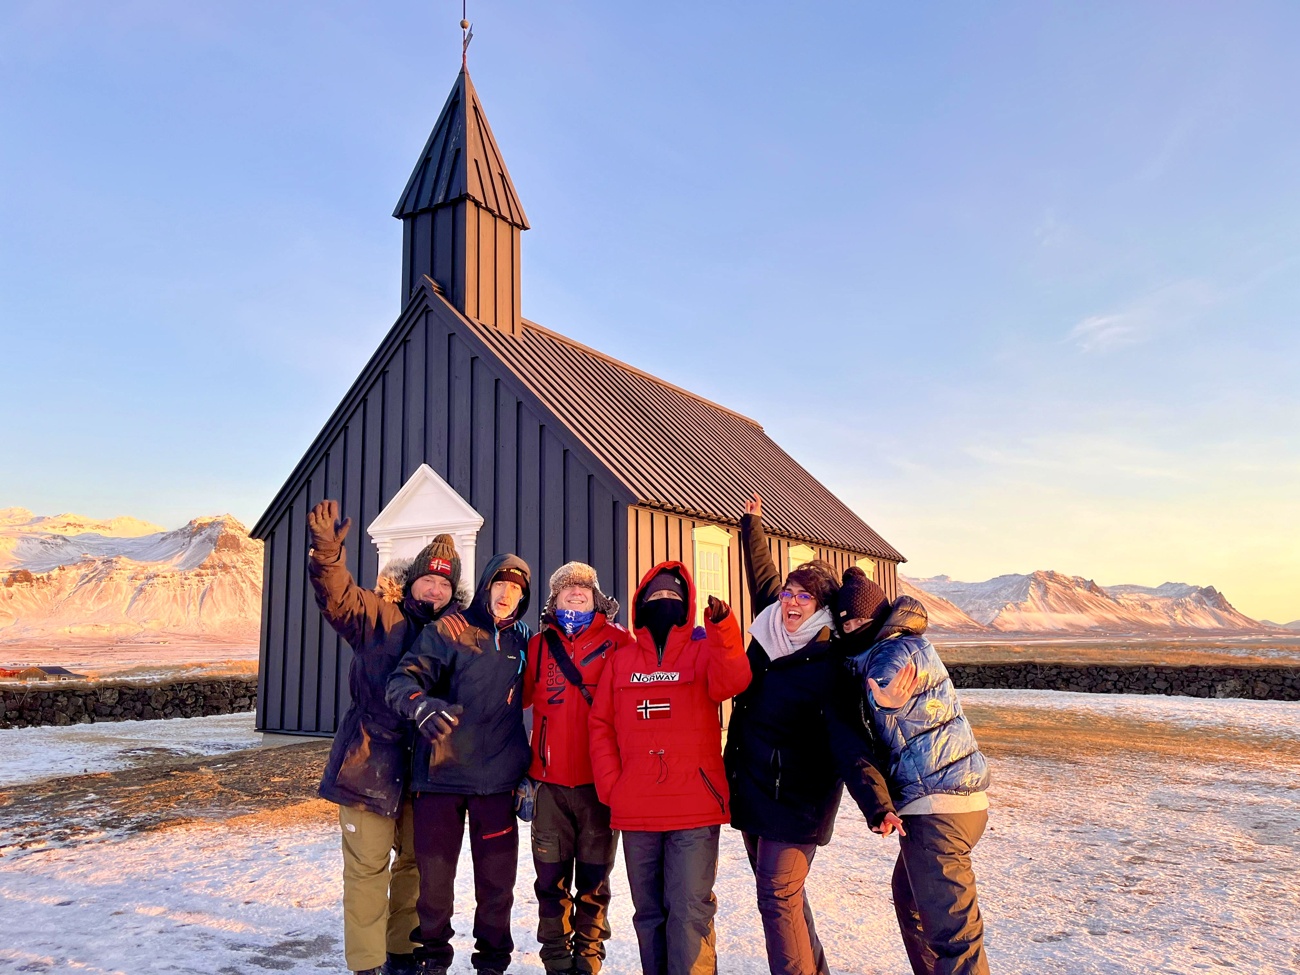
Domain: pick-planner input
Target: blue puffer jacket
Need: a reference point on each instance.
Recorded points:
(931, 746)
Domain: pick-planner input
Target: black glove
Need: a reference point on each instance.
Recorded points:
(327, 532)
(435, 719)
(717, 611)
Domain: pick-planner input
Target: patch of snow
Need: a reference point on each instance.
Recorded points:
(1281, 718)
(34, 754)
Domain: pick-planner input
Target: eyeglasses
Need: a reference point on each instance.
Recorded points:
(785, 595)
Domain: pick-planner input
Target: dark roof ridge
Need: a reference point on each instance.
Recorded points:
(640, 372)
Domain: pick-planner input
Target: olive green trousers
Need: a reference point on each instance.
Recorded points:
(380, 886)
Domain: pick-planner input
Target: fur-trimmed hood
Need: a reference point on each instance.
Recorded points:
(392, 579)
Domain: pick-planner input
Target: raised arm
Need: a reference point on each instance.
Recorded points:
(727, 671)
(351, 610)
(761, 573)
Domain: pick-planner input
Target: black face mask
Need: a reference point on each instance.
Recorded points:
(863, 637)
(659, 616)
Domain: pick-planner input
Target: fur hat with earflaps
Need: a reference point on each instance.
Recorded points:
(438, 558)
(580, 574)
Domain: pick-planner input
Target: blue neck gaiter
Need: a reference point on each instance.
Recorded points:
(572, 621)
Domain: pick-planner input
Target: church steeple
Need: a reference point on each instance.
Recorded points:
(461, 216)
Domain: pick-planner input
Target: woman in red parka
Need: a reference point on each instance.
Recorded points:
(656, 753)
(573, 843)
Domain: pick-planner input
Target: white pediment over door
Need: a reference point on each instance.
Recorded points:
(426, 506)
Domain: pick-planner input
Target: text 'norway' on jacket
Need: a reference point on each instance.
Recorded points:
(656, 741)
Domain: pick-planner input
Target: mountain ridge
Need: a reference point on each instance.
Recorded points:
(62, 584)
(1046, 602)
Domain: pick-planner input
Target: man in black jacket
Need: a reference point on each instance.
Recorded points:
(462, 686)
(367, 767)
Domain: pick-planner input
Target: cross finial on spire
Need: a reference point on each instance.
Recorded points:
(467, 34)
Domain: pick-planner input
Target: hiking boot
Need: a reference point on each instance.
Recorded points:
(427, 967)
(400, 965)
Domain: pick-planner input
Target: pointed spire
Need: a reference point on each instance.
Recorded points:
(461, 160)
(461, 217)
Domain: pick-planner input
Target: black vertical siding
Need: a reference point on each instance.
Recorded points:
(435, 399)
(505, 537)
(528, 482)
(434, 395)
(267, 663)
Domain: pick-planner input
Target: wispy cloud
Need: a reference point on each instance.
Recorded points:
(1101, 333)
(1162, 310)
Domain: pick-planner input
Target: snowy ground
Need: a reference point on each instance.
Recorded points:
(33, 754)
(1128, 834)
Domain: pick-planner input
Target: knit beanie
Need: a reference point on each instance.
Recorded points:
(580, 574)
(438, 558)
(860, 598)
(511, 574)
(667, 583)
(818, 578)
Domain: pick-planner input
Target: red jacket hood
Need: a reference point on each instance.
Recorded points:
(678, 635)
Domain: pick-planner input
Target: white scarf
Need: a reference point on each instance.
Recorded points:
(779, 642)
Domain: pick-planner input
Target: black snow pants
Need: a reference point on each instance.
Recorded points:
(780, 872)
(671, 876)
(934, 894)
(494, 846)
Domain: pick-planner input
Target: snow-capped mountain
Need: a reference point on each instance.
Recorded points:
(943, 614)
(1050, 602)
(67, 579)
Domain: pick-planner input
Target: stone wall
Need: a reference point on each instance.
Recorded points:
(26, 705)
(1280, 683)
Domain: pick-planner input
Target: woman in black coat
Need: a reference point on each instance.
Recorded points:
(792, 745)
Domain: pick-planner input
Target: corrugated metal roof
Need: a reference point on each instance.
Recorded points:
(676, 450)
(461, 161)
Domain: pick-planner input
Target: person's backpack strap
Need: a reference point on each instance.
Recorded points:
(565, 663)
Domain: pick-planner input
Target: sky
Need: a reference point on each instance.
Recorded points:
(1018, 281)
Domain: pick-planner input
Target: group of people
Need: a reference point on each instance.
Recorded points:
(838, 687)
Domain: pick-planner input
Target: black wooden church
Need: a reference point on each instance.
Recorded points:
(470, 419)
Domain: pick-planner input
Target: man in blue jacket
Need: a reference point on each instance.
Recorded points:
(937, 776)
(462, 687)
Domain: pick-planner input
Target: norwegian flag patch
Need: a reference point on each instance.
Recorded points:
(659, 707)
(440, 567)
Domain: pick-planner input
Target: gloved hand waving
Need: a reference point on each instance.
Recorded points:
(717, 610)
(327, 532)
